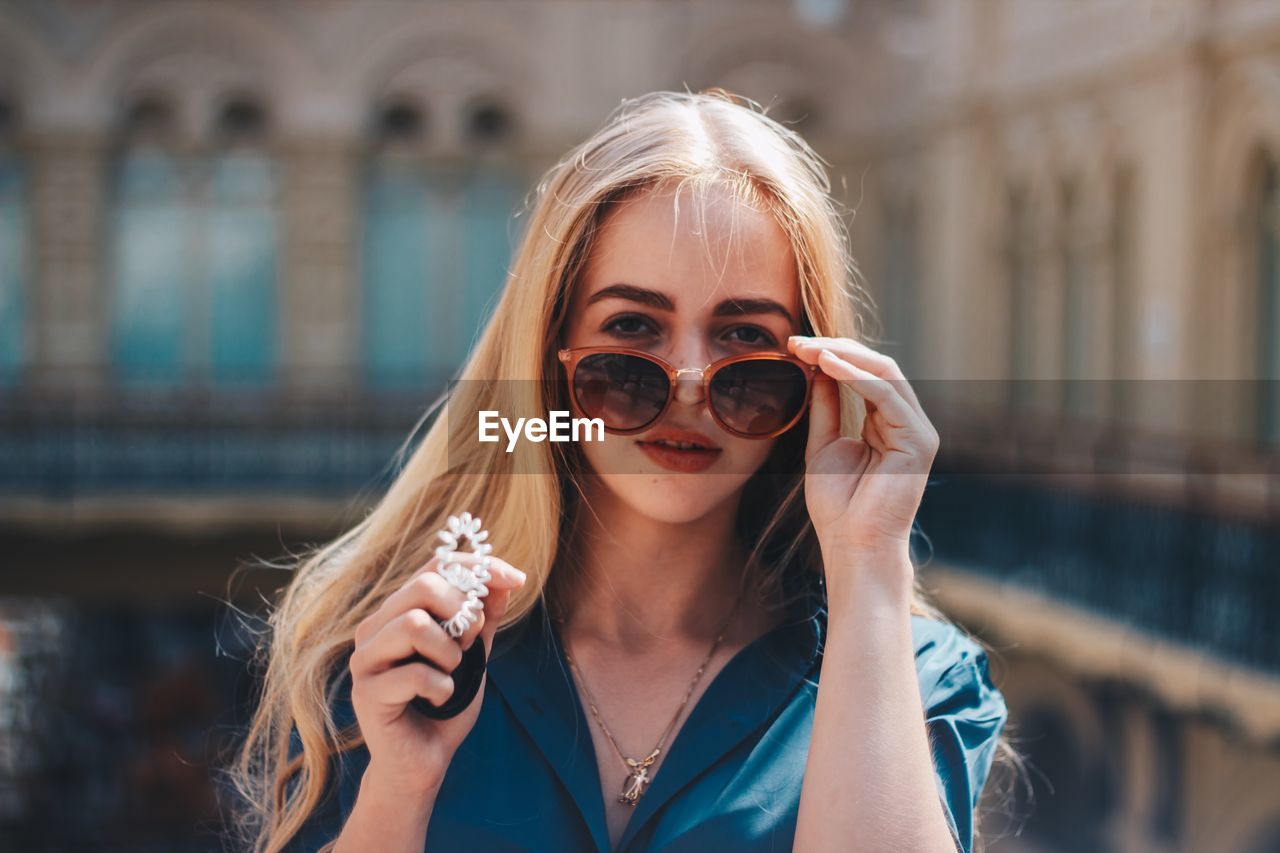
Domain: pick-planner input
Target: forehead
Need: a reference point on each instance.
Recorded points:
(696, 247)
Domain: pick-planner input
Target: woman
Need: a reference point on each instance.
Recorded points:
(720, 592)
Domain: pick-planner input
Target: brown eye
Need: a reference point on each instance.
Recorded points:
(628, 325)
(751, 335)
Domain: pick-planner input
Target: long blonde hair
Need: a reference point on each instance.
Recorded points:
(529, 499)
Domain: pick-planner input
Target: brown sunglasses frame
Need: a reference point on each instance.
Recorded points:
(571, 356)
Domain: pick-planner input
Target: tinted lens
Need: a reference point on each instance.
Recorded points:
(758, 397)
(625, 391)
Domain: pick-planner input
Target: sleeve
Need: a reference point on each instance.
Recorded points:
(325, 823)
(964, 714)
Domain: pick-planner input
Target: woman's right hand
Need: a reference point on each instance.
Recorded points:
(407, 751)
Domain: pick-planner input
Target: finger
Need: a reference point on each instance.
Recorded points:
(472, 633)
(419, 589)
(504, 579)
(896, 411)
(505, 575)
(874, 435)
(863, 356)
(416, 631)
(824, 415)
(502, 575)
(425, 590)
(396, 687)
(496, 608)
(473, 624)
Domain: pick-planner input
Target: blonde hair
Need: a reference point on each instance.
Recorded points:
(529, 499)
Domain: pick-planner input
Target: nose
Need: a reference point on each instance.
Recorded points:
(689, 385)
(690, 356)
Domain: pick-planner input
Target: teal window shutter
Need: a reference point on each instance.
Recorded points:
(13, 269)
(489, 203)
(396, 329)
(151, 277)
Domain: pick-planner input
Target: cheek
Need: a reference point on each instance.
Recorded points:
(744, 455)
(608, 456)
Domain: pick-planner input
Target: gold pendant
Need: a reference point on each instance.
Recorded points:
(634, 786)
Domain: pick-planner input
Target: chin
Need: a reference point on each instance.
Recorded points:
(673, 498)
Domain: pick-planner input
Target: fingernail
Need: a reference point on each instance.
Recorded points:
(520, 576)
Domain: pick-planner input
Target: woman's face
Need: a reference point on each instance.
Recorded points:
(653, 282)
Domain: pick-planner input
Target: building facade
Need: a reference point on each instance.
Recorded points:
(244, 244)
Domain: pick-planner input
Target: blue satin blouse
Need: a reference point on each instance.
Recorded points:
(525, 778)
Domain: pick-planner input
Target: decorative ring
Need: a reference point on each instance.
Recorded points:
(469, 579)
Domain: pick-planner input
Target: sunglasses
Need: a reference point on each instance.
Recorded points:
(753, 395)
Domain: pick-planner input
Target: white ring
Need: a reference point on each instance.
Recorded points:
(469, 579)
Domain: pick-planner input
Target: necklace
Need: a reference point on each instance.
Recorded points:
(638, 768)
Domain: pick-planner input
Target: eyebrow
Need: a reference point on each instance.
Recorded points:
(659, 300)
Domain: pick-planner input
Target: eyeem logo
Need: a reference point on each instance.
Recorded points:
(561, 427)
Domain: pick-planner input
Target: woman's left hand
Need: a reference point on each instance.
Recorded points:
(863, 494)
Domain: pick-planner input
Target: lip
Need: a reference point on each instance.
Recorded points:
(684, 461)
(689, 436)
(688, 461)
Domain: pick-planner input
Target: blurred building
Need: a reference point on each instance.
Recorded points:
(244, 244)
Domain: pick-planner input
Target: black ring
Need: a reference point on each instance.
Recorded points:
(466, 684)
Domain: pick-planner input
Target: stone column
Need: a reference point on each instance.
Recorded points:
(1167, 347)
(68, 304)
(319, 302)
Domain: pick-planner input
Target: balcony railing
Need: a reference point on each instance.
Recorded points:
(1191, 576)
(58, 448)
(1191, 573)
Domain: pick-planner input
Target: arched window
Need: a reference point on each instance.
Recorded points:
(489, 200)
(243, 281)
(13, 252)
(1267, 287)
(194, 251)
(490, 195)
(398, 252)
(437, 242)
(152, 288)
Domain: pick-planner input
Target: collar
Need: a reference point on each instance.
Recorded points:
(528, 668)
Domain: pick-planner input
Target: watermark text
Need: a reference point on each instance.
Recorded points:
(560, 426)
